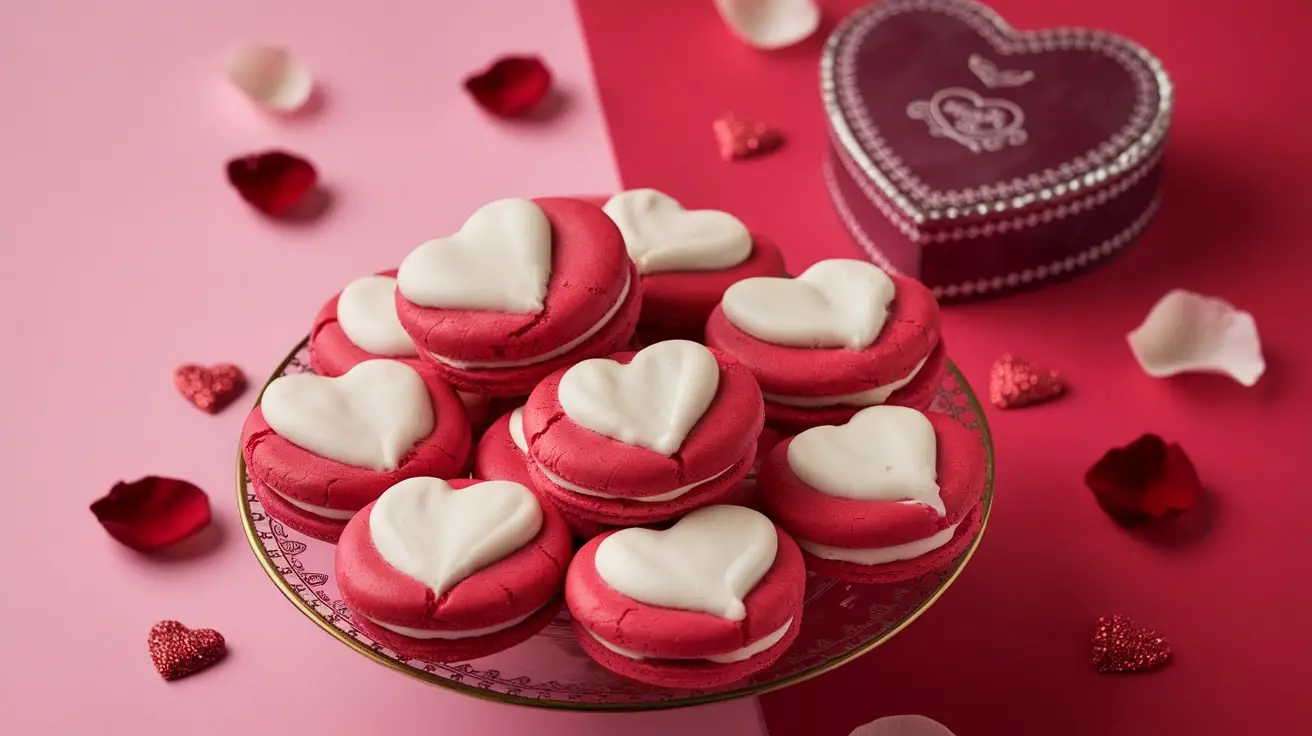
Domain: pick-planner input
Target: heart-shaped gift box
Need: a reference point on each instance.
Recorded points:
(981, 159)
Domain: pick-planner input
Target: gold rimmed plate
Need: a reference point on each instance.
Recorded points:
(840, 621)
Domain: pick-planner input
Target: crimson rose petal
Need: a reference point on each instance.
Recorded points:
(1147, 479)
(153, 512)
(273, 181)
(512, 87)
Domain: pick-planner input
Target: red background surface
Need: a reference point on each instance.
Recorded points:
(1005, 651)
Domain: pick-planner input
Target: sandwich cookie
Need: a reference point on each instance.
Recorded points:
(360, 324)
(712, 600)
(686, 258)
(639, 438)
(524, 289)
(842, 336)
(319, 449)
(745, 494)
(447, 571)
(502, 454)
(891, 495)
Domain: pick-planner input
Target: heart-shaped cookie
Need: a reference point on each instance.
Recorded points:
(368, 417)
(838, 303)
(709, 561)
(440, 536)
(366, 312)
(500, 261)
(652, 402)
(662, 236)
(884, 453)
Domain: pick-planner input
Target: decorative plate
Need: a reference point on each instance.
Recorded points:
(841, 623)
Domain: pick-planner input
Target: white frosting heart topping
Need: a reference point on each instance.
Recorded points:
(652, 402)
(709, 561)
(884, 453)
(366, 312)
(500, 261)
(439, 535)
(662, 236)
(368, 417)
(833, 304)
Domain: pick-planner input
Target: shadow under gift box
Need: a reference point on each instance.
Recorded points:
(980, 159)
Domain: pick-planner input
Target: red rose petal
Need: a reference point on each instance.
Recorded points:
(152, 512)
(1147, 479)
(739, 139)
(1015, 382)
(1121, 646)
(210, 388)
(178, 651)
(512, 87)
(272, 182)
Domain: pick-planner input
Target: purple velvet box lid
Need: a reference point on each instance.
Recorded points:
(974, 156)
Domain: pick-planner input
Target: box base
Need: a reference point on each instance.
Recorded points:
(984, 259)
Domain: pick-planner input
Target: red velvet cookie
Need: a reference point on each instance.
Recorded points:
(524, 289)
(643, 437)
(502, 454)
(801, 413)
(841, 336)
(745, 494)
(712, 600)
(360, 324)
(889, 496)
(687, 258)
(324, 447)
(447, 571)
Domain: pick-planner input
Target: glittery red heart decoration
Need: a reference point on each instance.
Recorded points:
(273, 182)
(1015, 382)
(153, 512)
(740, 138)
(178, 651)
(512, 87)
(1121, 646)
(1147, 479)
(210, 388)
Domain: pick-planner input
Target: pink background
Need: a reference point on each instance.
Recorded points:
(116, 126)
(125, 253)
(1005, 651)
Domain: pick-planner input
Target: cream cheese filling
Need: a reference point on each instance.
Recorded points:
(737, 655)
(667, 496)
(880, 555)
(605, 320)
(309, 508)
(869, 397)
(414, 633)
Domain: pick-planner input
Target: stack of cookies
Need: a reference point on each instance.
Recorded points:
(564, 403)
